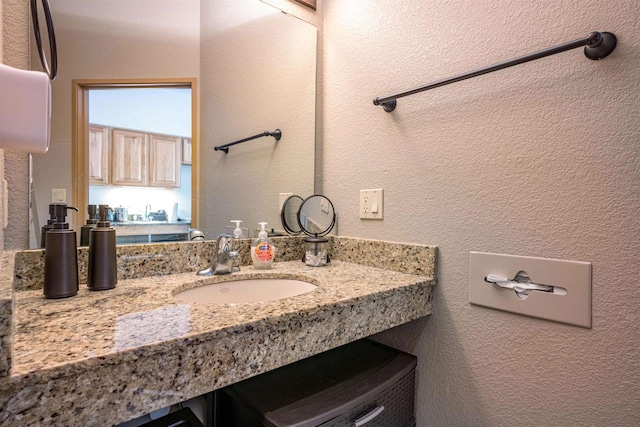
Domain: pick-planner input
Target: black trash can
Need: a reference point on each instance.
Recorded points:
(359, 384)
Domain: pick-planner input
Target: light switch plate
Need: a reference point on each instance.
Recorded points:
(371, 204)
(58, 195)
(573, 308)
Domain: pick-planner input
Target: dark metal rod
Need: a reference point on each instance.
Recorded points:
(277, 134)
(594, 39)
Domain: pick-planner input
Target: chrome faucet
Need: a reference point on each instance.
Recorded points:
(225, 257)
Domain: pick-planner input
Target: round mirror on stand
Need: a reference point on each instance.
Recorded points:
(316, 218)
(289, 214)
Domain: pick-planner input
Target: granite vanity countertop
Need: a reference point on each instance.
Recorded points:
(109, 356)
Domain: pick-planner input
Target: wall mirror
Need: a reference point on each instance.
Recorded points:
(253, 69)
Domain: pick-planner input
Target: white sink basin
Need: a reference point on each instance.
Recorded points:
(245, 291)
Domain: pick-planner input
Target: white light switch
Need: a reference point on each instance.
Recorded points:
(59, 195)
(569, 300)
(324, 205)
(371, 204)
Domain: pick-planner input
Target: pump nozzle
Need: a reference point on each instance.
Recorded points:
(103, 214)
(60, 211)
(237, 232)
(92, 210)
(263, 232)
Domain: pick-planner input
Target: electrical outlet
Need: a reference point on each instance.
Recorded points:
(371, 204)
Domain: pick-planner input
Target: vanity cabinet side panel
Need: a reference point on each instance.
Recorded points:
(165, 160)
(98, 155)
(129, 158)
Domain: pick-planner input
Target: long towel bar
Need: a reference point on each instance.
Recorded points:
(597, 46)
(277, 134)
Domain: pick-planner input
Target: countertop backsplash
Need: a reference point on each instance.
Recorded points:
(159, 259)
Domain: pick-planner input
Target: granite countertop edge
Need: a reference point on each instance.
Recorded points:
(74, 367)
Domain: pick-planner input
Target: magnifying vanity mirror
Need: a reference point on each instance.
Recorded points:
(249, 68)
(289, 214)
(314, 216)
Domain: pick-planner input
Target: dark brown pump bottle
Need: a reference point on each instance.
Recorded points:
(60, 257)
(49, 225)
(92, 210)
(102, 272)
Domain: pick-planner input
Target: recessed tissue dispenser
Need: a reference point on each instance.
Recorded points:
(550, 289)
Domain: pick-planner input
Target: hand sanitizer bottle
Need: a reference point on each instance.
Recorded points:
(262, 250)
(237, 232)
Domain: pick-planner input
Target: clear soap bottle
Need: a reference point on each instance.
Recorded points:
(262, 250)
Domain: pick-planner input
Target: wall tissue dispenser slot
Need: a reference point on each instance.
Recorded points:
(550, 289)
(522, 286)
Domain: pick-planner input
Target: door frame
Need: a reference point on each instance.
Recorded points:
(80, 135)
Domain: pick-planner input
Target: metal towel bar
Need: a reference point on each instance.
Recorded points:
(597, 46)
(277, 134)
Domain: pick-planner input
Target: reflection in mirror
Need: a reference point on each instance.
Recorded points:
(255, 68)
(269, 84)
(161, 206)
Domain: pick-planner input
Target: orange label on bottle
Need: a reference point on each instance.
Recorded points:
(264, 252)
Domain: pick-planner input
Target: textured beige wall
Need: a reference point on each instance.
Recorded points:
(258, 73)
(113, 39)
(540, 160)
(1, 151)
(15, 29)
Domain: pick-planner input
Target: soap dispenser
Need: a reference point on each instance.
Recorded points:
(91, 224)
(48, 226)
(262, 250)
(237, 232)
(60, 257)
(102, 270)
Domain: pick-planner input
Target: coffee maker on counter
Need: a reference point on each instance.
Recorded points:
(120, 214)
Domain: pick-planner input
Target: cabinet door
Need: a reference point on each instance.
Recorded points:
(164, 161)
(129, 159)
(98, 155)
(186, 151)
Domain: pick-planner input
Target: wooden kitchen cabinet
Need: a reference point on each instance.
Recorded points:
(129, 159)
(164, 161)
(98, 155)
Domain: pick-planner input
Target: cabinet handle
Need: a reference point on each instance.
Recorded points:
(369, 416)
